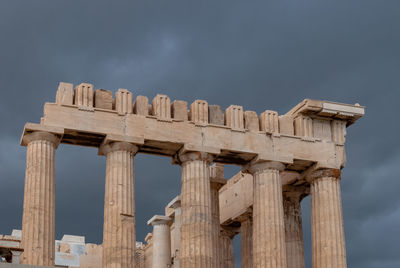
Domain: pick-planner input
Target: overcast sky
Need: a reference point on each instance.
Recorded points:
(258, 54)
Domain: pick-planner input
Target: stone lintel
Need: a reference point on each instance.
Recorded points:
(30, 128)
(122, 138)
(159, 219)
(333, 110)
(187, 147)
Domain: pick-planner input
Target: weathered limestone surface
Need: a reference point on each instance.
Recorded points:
(251, 121)
(179, 110)
(286, 125)
(161, 241)
(141, 106)
(293, 228)
(196, 230)
(199, 112)
(269, 121)
(226, 254)
(38, 225)
(303, 126)
(215, 115)
(162, 107)
(65, 94)
(246, 229)
(123, 102)
(217, 180)
(234, 117)
(268, 221)
(84, 95)
(173, 210)
(328, 244)
(119, 206)
(103, 99)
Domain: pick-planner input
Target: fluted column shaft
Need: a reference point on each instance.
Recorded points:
(38, 223)
(269, 249)
(119, 237)
(293, 230)
(226, 255)
(328, 244)
(196, 230)
(246, 230)
(161, 241)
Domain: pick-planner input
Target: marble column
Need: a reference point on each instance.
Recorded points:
(246, 230)
(38, 225)
(328, 244)
(269, 248)
(226, 255)
(293, 228)
(217, 180)
(119, 237)
(196, 230)
(161, 241)
(175, 204)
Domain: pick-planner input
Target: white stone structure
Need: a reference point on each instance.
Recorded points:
(288, 157)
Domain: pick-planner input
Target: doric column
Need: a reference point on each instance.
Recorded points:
(196, 230)
(293, 228)
(119, 237)
(161, 241)
(175, 204)
(38, 225)
(217, 180)
(328, 244)
(246, 229)
(226, 255)
(268, 222)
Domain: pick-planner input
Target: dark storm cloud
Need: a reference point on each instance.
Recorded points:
(259, 54)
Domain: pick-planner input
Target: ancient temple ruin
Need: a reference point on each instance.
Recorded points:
(284, 158)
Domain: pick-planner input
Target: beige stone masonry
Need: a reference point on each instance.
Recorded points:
(217, 180)
(119, 206)
(196, 230)
(293, 227)
(303, 126)
(328, 244)
(141, 106)
(123, 102)
(251, 121)
(246, 229)
(179, 110)
(216, 115)
(84, 95)
(199, 112)
(234, 117)
(338, 131)
(65, 94)
(103, 99)
(175, 211)
(269, 121)
(268, 220)
(161, 241)
(226, 254)
(38, 220)
(162, 107)
(286, 125)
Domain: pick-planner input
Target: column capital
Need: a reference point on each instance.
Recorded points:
(193, 156)
(159, 219)
(229, 231)
(40, 135)
(106, 148)
(320, 173)
(295, 193)
(258, 167)
(175, 203)
(217, 179)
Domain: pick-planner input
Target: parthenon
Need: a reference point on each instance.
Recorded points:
(283, 158)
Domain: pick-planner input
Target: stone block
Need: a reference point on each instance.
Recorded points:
(161, 107)
(322, 129)
(141, 106)
(84, 95)
(179, 110)
(123, 102)
(251, 121)
(216, 115)
(303, 126)
(286, 125)
(65, 94)
(16, 233)
(338, 129)
(103, 99)
(234, 117)
(269, 121)
(199, 112)
(217, 170)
